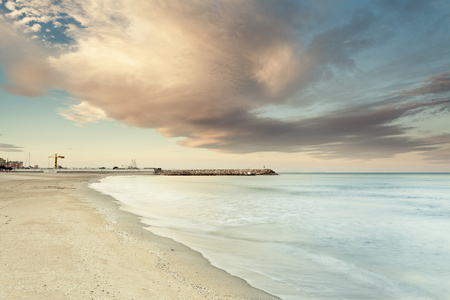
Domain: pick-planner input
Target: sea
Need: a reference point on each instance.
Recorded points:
(306, 235)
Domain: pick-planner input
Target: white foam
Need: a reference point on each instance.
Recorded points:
(309, 236)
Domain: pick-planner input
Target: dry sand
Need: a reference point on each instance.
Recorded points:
(61, 240)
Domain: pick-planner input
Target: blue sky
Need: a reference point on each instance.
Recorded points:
(291, 85)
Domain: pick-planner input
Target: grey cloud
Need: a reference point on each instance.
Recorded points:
(335, 47)
(441, 155)
(350, 133)
(9, 148)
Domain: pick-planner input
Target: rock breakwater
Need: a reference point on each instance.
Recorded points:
(218, 172)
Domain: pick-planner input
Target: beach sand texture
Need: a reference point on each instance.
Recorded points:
(61, 240)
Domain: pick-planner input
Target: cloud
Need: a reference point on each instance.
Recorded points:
(10, 5)
(9, 148)
(436, 84)
(26, 64)
(201, 70)
(441, 155)
(83, 113)
(356, 132)
(35, 28)
(176, 61)
(336, 47)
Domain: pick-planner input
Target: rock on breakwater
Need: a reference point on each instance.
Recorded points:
(218, 172)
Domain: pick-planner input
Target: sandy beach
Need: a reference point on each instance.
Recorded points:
(61, 240)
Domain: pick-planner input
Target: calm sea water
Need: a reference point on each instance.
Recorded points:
(307, 236)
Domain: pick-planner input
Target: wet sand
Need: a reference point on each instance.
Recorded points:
(61, 240)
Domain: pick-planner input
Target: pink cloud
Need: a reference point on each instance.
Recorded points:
(436, 84)
(174, 62)
(26, 64)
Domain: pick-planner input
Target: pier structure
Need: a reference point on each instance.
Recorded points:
(218, 172)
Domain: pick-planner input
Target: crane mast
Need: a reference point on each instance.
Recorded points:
(56, 156)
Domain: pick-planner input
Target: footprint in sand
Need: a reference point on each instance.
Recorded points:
(4, 220)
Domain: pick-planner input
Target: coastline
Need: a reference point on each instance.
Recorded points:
(61, 239)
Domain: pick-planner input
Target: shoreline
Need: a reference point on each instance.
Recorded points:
(62, 239)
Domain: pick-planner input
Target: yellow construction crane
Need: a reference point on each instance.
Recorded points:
(56, 156)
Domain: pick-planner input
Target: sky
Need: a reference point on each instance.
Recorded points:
(313, 86)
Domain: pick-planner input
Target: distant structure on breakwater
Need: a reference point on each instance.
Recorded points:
(218, 172)
(146, 171)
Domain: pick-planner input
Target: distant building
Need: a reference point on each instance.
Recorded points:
(15, 164)
(2, 162)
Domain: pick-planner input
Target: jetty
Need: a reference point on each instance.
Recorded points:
(155, 171)
(218, 172)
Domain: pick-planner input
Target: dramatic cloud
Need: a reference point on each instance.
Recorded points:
(202, 69)
(170, 62)
(356, 132)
